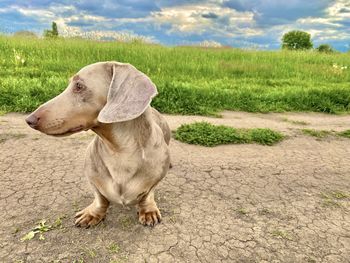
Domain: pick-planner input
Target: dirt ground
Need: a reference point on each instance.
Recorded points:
(234, 203)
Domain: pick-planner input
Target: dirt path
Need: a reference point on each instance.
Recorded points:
(235, 203)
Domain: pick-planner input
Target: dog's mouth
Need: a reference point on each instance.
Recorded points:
(70, 131)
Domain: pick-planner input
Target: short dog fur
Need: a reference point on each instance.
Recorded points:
(130, 155)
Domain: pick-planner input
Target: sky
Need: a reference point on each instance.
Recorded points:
(257, 24)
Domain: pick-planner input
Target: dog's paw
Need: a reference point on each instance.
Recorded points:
(87, 217)
(150, 217)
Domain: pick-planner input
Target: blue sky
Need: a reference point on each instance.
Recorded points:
(238, 23)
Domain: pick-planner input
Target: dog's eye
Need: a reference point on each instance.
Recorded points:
(78, 87)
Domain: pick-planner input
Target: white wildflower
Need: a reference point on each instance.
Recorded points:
(19, 59)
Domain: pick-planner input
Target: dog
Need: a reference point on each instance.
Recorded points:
(129, 155)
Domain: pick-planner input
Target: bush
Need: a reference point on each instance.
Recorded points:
(297, 40)
(325, 48)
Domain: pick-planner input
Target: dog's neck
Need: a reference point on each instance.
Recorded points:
(125, 135)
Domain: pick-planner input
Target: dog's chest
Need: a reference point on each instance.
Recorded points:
(127, 181)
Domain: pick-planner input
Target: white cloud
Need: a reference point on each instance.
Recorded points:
(53, 13)
(335, 9)
(195, 19)
(40, 14)
(122, 36)
(319, 21)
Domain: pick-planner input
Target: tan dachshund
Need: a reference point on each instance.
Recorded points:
(130, 155)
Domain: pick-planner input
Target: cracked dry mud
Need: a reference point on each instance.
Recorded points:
(234, 203)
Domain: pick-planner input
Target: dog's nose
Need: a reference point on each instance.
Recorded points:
(32, 121)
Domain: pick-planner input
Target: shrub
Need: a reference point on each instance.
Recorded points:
(325, 48)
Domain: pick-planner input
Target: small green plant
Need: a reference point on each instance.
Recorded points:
(335, 195)
(332, 198)
(339, 195)
(39, 229)
(345, 133)
(330, 203)
(125, 222)
(58, 222)
(206, 134)
(281, 234)
(75, 206)
(242, 211)
(114, 248)
(15, 230)
(91, 252)
(296, 122)
(316, 133)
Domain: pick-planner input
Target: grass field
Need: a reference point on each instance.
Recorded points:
(190, 80)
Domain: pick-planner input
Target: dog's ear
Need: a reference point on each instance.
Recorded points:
(129, 94)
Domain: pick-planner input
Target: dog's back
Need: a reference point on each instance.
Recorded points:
(160, 120)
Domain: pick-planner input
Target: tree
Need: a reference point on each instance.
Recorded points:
(325, 48)
(296, 40)
(53, 33)
(54, 29)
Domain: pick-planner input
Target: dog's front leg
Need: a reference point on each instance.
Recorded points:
(94, 213)
(148, 211)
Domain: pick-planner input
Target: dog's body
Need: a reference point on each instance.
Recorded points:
(130, 154)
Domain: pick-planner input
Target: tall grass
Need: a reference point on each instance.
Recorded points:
(190, 80)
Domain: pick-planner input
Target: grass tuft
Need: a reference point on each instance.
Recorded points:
(281, 234)
(345, 134)
(296, 122)
(206, 134)
(316, 133)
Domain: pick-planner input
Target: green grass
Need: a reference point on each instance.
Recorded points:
(345, 134)
(316, 133)
(6, 136)
(296, 122)
(206, 134)
(333, 198)
(114, 248)
(190, 80)
(281, 234)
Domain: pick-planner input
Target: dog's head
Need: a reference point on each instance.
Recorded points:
(104, 92)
